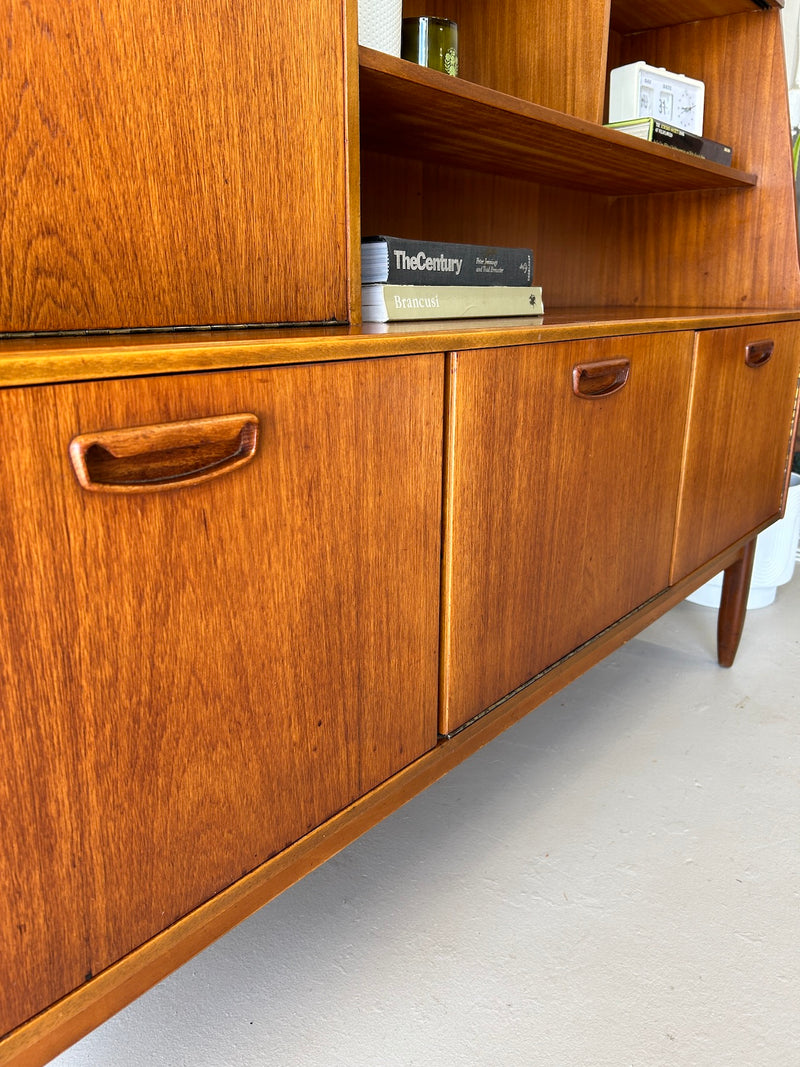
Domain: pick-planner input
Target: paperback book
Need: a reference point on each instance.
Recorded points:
(384, 302)
(406, 262)
(649, 129)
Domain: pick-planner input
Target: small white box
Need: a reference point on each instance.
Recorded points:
(641, 91)
(380, 24)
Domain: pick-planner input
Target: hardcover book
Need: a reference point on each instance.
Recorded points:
(662, 133)
(383, 302)
(408, 262)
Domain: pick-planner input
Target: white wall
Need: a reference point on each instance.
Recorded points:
(791, 38)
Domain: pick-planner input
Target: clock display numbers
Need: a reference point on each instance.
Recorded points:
(639, 90)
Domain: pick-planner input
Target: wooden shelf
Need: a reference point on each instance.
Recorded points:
(632, 16)
(410, 111)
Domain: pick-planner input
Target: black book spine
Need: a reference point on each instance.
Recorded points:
(437, 263)
(691, 142)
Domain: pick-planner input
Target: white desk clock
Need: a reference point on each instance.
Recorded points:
(641, 91)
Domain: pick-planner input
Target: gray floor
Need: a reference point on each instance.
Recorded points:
(615, 881)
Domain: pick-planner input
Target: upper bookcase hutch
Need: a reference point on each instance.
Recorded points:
(236, 191)
(514, 152)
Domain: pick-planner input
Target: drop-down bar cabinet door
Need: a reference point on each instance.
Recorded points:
(563, 469)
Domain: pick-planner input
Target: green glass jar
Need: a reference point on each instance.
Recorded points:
(431, 42)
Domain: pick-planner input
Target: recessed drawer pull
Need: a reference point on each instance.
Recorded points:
(758, 353)
(144, 459)
(607, 376)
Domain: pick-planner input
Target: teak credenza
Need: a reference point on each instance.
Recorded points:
(262, 585)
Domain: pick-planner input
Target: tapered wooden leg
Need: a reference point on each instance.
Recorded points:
(733, 604)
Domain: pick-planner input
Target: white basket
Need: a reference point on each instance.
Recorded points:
(776, 554)
(380, 24)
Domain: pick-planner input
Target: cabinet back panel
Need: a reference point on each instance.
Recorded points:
(171, 165)
(194, 678)
(727, 249)
(567, 230)
(550, 54)
(716, 249)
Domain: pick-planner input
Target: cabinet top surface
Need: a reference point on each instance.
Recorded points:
(40, 360)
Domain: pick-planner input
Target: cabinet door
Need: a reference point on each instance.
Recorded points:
(169, 164)
(192, 678)
(561, 496)
(743, 394)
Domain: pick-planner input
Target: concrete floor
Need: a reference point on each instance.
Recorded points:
(615, 881)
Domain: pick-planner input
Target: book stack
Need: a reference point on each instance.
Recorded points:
(403, 280)
(649, 129)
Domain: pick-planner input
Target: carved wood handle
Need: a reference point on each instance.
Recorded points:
(758, 353)
(145, 459)
(607, 376)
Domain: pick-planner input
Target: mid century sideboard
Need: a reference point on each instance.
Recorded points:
(267, 572)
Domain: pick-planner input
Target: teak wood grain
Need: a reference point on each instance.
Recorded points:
(210, 689)
(171, 165)
(193, 679)
(518, 48)
(410, 111)
(49, 1033)
(630, 16)
(28, 361)
(733, 604)
(559, 509)
(515, 172)
(144, 459)
(739, 248)
(737, 448)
